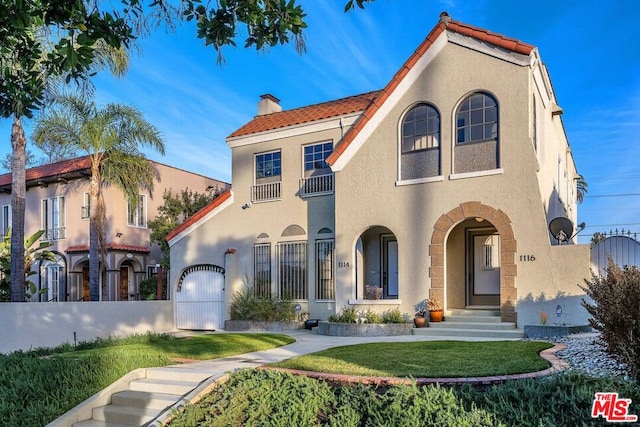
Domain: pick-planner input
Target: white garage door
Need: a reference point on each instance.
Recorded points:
(199, 301)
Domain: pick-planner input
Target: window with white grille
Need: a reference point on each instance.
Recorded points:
(325, 260)
(6, 218)
(262, 270)
(292, 270)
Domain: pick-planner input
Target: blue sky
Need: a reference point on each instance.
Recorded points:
(591, 48)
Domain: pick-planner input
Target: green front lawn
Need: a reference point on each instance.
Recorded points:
(435, 359)
(37, 387)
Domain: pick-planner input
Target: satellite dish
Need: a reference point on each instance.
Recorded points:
(561, 228)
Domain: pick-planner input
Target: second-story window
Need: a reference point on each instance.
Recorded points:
(53, 218)
(268, 165)
(420, 143)
(315, 156)
(268, 170)
(317, 177)
(137, 216)
(86, 206)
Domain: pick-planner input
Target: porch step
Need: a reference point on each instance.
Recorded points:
(158, 385)
(475, 333)
(96, 423)
(146, 397)
(126, 415)
(477, 323)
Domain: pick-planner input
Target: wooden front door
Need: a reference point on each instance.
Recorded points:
(124, 283)
(86, 294)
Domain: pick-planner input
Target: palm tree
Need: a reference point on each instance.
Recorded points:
(581, 188)
(117, 61)
(112, 137)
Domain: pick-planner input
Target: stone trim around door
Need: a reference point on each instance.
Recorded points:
(508, 268)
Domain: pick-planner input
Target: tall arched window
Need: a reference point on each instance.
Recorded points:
(477, 134)
(420, 143)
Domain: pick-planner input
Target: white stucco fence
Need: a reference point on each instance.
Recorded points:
(30, 325)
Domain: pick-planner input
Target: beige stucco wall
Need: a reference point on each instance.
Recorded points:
(52, 324)
(367, 193)
(238, 228)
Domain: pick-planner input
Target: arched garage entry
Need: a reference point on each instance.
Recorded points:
(199, 300)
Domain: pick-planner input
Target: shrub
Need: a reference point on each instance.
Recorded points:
(247, 306)
(394, 316)
(371, 316)
(616, 312)
(346, 315)
(149, 289)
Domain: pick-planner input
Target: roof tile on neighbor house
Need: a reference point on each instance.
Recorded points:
(52, 169)
(111, 247)
(310, 113)
(198, 215)
(445, 23)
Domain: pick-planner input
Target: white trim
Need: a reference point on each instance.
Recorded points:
(419, 180)
(386, 108)
(489, 172)
(489, 49)
(184, 233)
(295, 130)
(388, 301)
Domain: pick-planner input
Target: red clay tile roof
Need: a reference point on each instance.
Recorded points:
(111, 247)
(310, 113)
(445, 23)
(50, 170)
(198, 215)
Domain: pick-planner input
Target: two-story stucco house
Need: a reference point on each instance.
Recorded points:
(442, 184)
(57, 201)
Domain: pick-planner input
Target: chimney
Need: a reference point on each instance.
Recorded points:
(268, 104)
(445, 18)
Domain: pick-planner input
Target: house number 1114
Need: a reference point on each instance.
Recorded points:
(527, 258)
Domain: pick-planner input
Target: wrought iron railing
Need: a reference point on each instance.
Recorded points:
(264, 192)
(316, 185)
(54, 234)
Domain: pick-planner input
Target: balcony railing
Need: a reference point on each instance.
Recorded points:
(53, 234)
(316, 185)
(85, 212)
(264, 192)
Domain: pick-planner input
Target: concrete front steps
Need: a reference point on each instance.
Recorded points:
(480, 323)
(144, 398)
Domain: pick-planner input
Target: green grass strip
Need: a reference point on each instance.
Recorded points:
(427, 359)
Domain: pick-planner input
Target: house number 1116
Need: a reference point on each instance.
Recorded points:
(526, 258)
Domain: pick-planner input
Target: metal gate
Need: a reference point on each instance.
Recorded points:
(199, 301)
(624, 249)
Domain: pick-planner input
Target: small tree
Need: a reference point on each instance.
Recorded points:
(616, 312)
(173, 212)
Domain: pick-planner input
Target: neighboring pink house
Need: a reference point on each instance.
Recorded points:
(57, 201)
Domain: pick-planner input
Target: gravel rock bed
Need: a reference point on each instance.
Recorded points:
(587, 355)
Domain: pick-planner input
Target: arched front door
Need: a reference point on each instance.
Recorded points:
(199, 301)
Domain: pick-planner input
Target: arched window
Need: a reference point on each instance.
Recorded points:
(477, 119)
(420, 143)
(477, 145)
